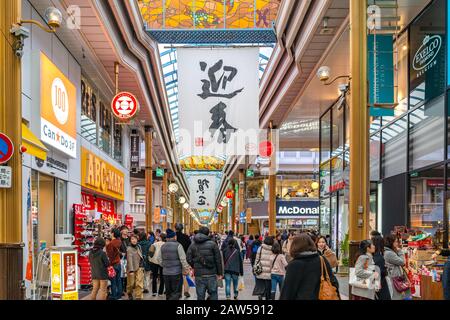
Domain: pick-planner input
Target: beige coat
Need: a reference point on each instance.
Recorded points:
(264, 255)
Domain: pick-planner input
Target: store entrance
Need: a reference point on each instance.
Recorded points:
(48, 211)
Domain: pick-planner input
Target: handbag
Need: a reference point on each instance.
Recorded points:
(123, 268)
(327, 290)
(111, 272)
(258, 268)
(401, 283)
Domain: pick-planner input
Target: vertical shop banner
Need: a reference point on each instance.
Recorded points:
(55, 273)
(249, 215)
(58, 109)
(70, 276)
(88, 201)
(135, 152)
(381, 73)
(218, 92)
(157, 215)
(202, 191)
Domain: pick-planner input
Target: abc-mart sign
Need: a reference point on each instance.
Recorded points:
(425, 57)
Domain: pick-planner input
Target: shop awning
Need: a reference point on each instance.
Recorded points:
(34, 146)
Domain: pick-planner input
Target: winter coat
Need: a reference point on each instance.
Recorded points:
(172, 258)
(363, 273)
(124, 244)
(204, 256)
(145, 246)
(99, 264)
(395, 261)
(302, 281)
(225, 243)
(135, 260)
(279, 264)
(330, 256)
(113, 251)
(384, 293)
(264, 255)
(286, 249)
(233, 261)
(184, 240)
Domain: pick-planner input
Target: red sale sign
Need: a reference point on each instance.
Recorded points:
(88, 201)
(106, 208)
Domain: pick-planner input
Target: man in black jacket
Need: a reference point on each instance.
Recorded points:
(204, 256)
(185, 241)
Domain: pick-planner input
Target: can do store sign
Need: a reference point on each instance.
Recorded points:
(58, 108)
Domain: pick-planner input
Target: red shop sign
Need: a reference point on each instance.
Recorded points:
(106, 208)
(88, 201)
(124, 106)
(437, 183)
(338, 186)
(129, 219)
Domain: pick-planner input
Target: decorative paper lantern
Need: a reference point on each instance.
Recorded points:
(182, 200)
(315, 185)
(173, 188)
(186, 205)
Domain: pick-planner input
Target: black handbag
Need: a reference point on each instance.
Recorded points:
(258, 268)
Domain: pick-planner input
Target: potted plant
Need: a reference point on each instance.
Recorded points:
(343, 261)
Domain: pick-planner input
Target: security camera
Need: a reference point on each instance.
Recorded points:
(20, 33)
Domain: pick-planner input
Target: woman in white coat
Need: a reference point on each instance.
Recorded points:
(263, 283)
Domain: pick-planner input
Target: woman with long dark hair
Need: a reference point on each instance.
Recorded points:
(378, 259)
(395, 261)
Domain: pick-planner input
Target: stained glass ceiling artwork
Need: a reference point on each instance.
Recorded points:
(209, 14)
(210, 21)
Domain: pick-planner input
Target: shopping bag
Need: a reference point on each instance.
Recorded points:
(241, 285)
(123, 268)
(190, 282)
(358, 283)
(111, 272)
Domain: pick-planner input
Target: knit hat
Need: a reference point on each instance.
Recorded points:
(170, 234)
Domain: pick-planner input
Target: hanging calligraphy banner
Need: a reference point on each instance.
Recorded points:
(202, 191)
(218, 92)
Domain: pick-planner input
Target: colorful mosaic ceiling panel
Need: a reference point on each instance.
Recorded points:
(202, 163)
(209, 14)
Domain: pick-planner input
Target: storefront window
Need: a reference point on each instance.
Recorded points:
(426, 134)
(325, 143)
(427, 200)
(61, 215)
(338, 129)
(105, 129)
(325, 179)
(337, 169)
(255, 189)
(394, 148)
(325, 216)
(88, 113)
(375, 141)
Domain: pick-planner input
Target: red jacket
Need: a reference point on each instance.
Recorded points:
(113, 251)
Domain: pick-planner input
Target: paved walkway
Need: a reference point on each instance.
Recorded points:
(245, 294)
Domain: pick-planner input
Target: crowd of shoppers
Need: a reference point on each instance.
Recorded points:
(169, 263)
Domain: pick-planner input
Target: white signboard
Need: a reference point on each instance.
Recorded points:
(5, 177)
(218, 94)
(202, 191)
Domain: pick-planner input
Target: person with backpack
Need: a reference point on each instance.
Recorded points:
(204, 257)
(99, 270)
(174, 263)
(278, 270)
(135, 270)
(157, 270)
(145, 244)
(185, 241)
(233, 268)
(255, 246)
